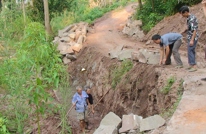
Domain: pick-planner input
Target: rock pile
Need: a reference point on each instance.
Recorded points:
(109, 124)
(131, 124)
(133, 29)
(142, 55)
(70, 40)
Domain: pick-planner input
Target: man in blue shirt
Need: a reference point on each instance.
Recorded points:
(80, 101)
(192, 36)
(171, 43)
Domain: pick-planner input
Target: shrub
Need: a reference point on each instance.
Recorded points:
(152, 13)
(168, 86)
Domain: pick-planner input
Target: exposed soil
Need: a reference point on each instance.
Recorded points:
(139, 91)
(107, 31)
(177, 23)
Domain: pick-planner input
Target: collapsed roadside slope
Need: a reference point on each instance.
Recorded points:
(139, 90)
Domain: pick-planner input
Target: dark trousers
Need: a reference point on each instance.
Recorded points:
(192, 53)
(168, 60)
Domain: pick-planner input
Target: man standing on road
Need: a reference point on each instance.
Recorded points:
(169, 43)
(192, 36)
(204, 10)
(80, 101)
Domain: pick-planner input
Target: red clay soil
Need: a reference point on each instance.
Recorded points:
(177, 23)
(107, 31)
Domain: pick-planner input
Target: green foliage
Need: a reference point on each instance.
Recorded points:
(36, 66)
(3, 126)
(36, 12)
(65, 94)
(11, 22)
(119, 71)
(154, 11)
(80, 11)
(169, 112)
(167, 87)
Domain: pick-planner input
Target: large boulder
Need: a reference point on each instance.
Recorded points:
(72, 35)
(66, 60)
(62, 47)
(152, 57)
(133, 29)
(71, 57)
(115, 52)
(130, 122)
(109, 124)
(77, 47)
(125, 54)
(151, 122)
(138, 56)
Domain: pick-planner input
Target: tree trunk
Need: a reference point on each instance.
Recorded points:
(24, 12)
(153, 5)
(140, 3)
(46, 17)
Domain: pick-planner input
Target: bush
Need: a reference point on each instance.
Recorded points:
(35, 68)
(151, 14)
(167, 87)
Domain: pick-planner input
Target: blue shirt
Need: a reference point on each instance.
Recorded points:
(169, 38)
(81, 101)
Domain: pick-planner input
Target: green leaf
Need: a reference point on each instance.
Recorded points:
(38, 81)
(36, 99)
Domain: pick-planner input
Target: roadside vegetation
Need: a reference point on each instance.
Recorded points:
(167, 113)
(156, 10)
(31, 68)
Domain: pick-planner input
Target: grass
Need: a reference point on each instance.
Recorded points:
(84, 13)
(169, 112)
(119, 71)
(167, 87)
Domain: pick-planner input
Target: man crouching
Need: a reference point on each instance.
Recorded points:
(169, 44)
(80, 101)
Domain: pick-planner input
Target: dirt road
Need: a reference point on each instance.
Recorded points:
(107, 31)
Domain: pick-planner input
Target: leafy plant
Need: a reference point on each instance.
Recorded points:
(169, 112)
(3, 126)
(65, 94)
(36, 68)
(119, 71)
(167, 87)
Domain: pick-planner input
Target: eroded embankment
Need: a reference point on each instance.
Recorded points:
(139, 90)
